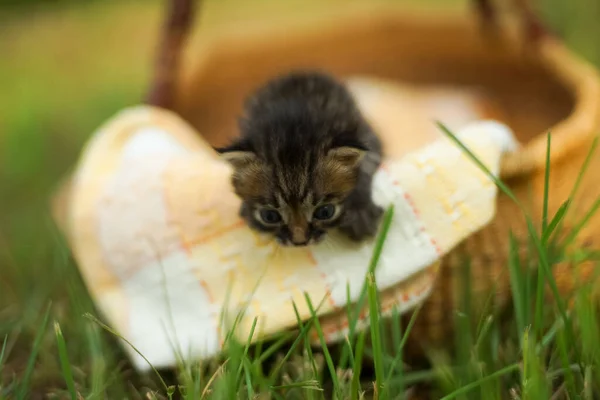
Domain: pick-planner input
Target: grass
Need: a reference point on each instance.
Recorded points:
(543, 346)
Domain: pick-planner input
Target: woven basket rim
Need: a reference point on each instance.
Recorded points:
(572, 71)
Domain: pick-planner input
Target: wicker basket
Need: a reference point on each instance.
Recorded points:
(539, 89)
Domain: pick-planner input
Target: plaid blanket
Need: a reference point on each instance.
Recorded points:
(153, 224)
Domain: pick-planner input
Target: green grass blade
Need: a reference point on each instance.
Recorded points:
(310, 384)
(307, 346)
(483, 332)
(350, 351)
(276, 346)
(545, 267)
(246, 349)
(546, 184)
(385, 227)
(481, 165)
(398, 358)
(549, 278)
(116, 334)
(534, 382)
(586, 309)
(584, 168)
(24, 385)
(97, 362)
(376, 255)
(396, 322)
(411, 324)
(248, 376)
(416, 377)
(64, 361)
(354, 317)
(550, 335)
(517, 285)
(563, 353)
(3, 351)
(586, 218)
(473, 385)
(396, 329)
(232, 374)
(539, 299)
(588, 388)
(374, 316)
(556, 220)
(346, 356)
(328, 359)
(312, 322)
(302, 335)
(357, 367)
(462, 318)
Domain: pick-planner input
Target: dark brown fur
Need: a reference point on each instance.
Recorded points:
(304, 150)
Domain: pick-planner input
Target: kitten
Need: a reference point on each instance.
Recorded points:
(304, 161)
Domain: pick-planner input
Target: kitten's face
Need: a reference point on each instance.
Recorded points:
(296, 204)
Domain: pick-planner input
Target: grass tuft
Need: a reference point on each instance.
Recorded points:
(37, 344)
(64, 361)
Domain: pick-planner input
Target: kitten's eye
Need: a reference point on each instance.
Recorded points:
(270, 217)
(324, 212)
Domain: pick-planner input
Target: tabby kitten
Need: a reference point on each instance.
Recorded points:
(304, 161)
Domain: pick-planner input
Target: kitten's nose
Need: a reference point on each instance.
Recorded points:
(299, 237)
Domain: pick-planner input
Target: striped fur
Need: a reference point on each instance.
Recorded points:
(304, 150)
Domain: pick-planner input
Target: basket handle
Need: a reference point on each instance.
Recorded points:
(533, 29)
(181, 13)
(178, 22)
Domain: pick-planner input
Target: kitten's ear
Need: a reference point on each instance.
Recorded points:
(347, 156)
(239, 158)
(238, 155)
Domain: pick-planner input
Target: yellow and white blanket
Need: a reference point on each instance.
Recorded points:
(153, 225)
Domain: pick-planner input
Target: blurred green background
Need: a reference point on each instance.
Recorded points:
(65, 67)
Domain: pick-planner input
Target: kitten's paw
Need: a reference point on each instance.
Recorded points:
(361, 223)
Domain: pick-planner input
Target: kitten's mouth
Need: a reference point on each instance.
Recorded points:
(309, 242)
(301, 244)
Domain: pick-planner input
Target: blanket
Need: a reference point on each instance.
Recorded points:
(153, 225)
